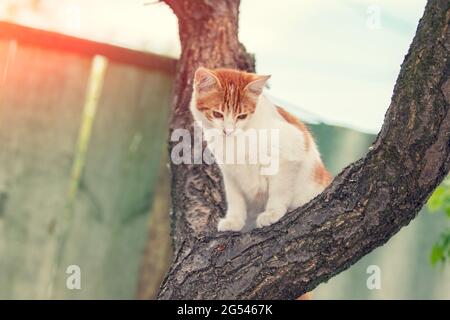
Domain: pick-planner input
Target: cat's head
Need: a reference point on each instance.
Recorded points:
(226, 99)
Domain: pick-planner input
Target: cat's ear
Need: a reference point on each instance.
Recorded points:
(256, 86)
(205, 80)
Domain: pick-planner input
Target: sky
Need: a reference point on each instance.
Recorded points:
(335, 61)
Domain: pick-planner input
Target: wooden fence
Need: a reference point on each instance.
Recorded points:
(82, 132)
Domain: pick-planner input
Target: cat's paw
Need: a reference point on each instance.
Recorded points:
(230, 224)
(267, 218)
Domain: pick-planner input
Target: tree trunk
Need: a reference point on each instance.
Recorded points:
(208, 34)
(365, 205)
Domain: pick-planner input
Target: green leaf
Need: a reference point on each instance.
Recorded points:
(437, 254)
(436, 200)
(447, 209)
(440, 201)
(446, 240)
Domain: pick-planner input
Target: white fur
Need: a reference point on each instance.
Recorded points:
(261, 200)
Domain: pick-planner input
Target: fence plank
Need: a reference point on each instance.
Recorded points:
(109, 227)
(158, 249)
(40, 106)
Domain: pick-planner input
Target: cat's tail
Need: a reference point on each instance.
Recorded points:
(306, 296)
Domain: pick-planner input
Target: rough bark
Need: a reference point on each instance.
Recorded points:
(208, 34)
(366, 204)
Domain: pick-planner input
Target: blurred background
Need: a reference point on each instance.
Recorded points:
(84, 101)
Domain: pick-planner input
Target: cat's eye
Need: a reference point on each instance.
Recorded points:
(242, 116)
(217, 115)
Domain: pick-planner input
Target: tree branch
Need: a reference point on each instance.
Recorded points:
(366, 204)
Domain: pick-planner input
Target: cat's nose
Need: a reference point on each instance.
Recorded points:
(228, 131)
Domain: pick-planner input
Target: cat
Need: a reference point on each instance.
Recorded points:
(231, 102)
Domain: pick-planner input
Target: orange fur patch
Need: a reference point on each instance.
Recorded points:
(298, 124)
(321, 175)
(230, 95)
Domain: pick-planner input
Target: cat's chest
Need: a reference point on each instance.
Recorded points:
(246, 149)
(238, 162)
(252, 184)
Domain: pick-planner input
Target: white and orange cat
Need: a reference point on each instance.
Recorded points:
(232, 102)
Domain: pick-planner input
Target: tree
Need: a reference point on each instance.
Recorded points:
(365, 205)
